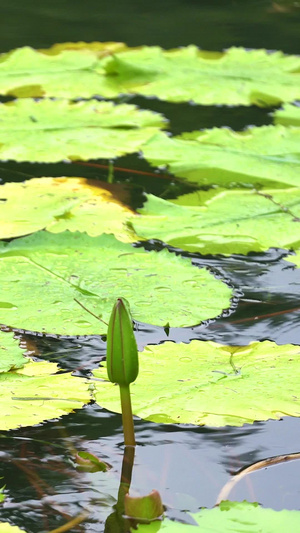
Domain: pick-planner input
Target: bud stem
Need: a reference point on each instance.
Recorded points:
(128, 427)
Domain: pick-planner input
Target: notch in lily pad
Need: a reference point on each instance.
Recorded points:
(122, 361)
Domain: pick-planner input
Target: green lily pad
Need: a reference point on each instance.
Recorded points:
(289, 115)
(234, 77)
(70, 70)
(55, 130)
(294, 258)
(205, 383)
(11, 356)
(67, 70)
(231, 517)
(58, 204)
(269, 156)
(40, 275)
(223, 221)
(36, 393)
(5, 527)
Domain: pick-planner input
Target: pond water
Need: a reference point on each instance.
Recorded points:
(188, 465)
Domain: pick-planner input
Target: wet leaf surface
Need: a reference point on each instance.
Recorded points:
(52, 270)
(56, 130)
(265, 156)
(223, 222)
(59, 204)
(205, 383)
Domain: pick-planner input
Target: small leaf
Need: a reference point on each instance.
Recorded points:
(87, 462)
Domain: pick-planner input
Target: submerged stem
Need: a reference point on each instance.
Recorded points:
(110, 177)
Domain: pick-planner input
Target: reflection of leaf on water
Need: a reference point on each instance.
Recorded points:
(283, 6)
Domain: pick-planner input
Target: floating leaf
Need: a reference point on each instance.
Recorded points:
(2, 497)
(289, 115)
(54, 130)
(224, 221)
(67, 70)
(58, 204)
(269, 155)
(231, 517)
(205, 383)
(294, 258)
(234, 77)
(40, 275)
(35, 393)
(11, 355)
(5, 527)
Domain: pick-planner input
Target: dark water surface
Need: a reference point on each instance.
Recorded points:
(187, 464)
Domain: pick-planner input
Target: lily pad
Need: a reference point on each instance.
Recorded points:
(205, 383)
(67, 70)
(58, 204)
(11, 356)
(268, 155)
(223, 221)
(36, 393)
(42, 274)
(55, 130)
(232, 517)
(234, 77)
(70, 70)
(294, 258)
(5, 527)
(289, 115)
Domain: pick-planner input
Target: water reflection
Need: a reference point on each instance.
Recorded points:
(188, 465)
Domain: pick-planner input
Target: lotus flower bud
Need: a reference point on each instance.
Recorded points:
(121, 354)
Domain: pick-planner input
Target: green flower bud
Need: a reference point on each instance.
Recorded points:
(121, 353)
